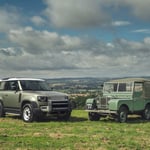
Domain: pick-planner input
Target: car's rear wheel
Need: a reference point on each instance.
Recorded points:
(2, 113)
(93, 116)
(27, 113)
(146, 112)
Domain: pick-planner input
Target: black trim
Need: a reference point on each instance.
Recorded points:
(19, 100)
(34, 105)
(12, 110)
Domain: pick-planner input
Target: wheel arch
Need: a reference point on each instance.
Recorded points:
(123, 105)
(1, 101)
(34, 104)
(147, 104)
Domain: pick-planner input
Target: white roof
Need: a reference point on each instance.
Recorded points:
(11, 79)
(129, 80)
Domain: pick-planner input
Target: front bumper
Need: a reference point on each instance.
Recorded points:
(102, 111)
(45, 109)
(56, 106)
(49, 109)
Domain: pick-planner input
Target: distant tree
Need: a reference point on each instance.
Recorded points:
(80, 101)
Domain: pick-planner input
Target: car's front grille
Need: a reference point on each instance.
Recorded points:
(58, 105)
(103, 102)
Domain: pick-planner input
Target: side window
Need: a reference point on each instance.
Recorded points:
(2, 86)
(125, 87)
(138, 89)
(147, 89)
(122, 87)
(11, 85)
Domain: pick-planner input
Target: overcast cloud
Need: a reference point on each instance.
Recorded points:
(76, 39)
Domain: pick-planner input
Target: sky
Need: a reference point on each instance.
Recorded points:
(74, 38)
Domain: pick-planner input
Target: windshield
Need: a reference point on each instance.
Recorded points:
(118, 87)
(34, 85)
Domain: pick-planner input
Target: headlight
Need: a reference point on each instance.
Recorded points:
(42, 98)
(66, 97)
(89, 106)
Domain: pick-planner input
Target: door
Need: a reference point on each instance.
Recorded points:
(11, 95)
(138, 97)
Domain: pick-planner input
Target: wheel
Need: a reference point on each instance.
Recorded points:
(146, 112)
(122, 114)
(2, 113)
(93, 116)
(27, 113)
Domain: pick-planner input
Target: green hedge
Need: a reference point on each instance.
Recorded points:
(79, 101)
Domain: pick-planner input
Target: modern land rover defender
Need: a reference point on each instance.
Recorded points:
(32, 99)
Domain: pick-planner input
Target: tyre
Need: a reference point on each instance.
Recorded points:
(93, 116)
(2, 113)
(146, 113)
(27, 113)
(122, 114)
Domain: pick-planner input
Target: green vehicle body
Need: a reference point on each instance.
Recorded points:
(120, 98)
(32, 99)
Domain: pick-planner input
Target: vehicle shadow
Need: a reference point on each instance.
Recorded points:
(49, 119)
(137, 120)
(130, 120)
(55, 119)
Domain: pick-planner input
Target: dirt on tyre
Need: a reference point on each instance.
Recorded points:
(27, 113)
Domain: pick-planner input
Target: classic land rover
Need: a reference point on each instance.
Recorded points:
(32, 99)
(120, 98)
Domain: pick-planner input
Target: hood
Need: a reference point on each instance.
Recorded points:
(119, 96)
(47, 93)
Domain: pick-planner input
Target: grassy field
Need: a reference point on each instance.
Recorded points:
(77, 134)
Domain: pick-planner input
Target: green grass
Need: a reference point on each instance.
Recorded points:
(77, 134)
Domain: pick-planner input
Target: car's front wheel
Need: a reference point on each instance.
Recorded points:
(93, 116)
(27, 113)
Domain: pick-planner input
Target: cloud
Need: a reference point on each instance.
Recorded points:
(117, 57)
(76, 14)
(120, 23)
(10, 51)
(94, 13)
(37, 20)
(139, 8)
(37, 42)
(49, 51)
(147, 31)
(9, 18)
